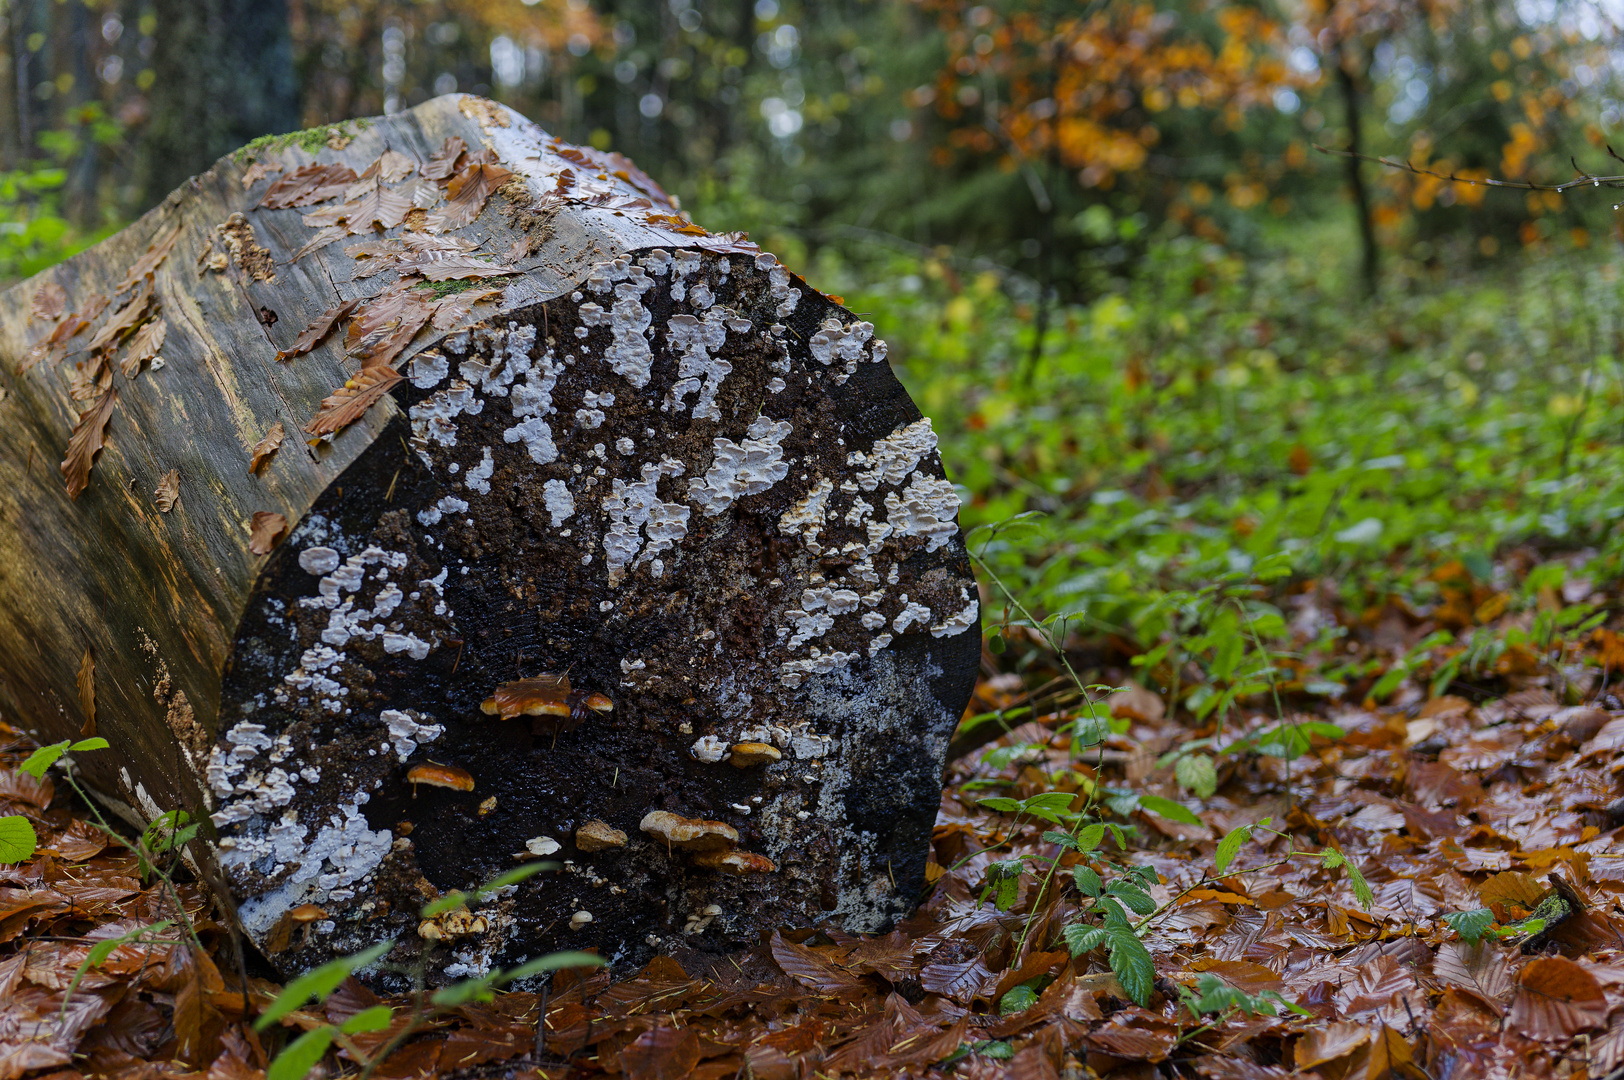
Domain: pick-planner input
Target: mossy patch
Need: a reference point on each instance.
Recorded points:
(310, 140)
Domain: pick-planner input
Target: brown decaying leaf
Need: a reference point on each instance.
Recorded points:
(307, 186)
(167, 494)
(387, 324)
(347, 404)
(265, 531)
(423, 194)
(466, 196)
(89, 436)
(453, 309)
(54, 346)
(266, 448)
(131, 314)
(86, 685)
(442, 164)
(392, 166)
(317, 331)
(1557, 999)
(380, 207)
(323, 237)
(144, 346)
(49, 302)
(147, 264)
(258, 171)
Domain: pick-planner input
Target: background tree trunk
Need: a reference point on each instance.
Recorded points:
(669, 484)
(1369, 253)
(223, 75)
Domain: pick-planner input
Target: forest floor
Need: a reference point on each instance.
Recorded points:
(1447, 820)
(1296, 751)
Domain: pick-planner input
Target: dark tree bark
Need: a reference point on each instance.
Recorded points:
(648, 563)
(224, 75)
(1348, 83)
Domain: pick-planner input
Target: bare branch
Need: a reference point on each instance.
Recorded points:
(1584, 179)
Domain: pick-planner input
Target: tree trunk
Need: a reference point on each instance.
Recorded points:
(648, 556)
(1368, 251)
(223, 74)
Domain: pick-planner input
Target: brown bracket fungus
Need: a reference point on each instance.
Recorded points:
(557, 428)
(688, 834)
(599, 836)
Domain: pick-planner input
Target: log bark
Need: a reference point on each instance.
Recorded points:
(645, 562)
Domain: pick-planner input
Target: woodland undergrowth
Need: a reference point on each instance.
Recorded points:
(1296, 749)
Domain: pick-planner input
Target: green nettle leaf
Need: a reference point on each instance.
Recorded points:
(374, 1019)
(1018, 999)
(1000, 805)
(42, 759)
(17, 839)
(1089, 837)
(1063, 839)
(94, 743)
(1331, 858)
(1168, 809)
(317, 983)
(1230, 845)
(1470, 925)
(1131, 961)
(1133, 896)
(301, 1055)
(1080, 938)
(998, 1051)
(1197, 775)
(553, 962)
(1088, 882)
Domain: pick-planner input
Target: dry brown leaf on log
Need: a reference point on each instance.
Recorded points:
(258, 171)
(423, 194)
(453, 309)
(347, 404)
(322, 238)
(379, 207)
(144, 346)
(49, 302)
(266, 530)
(86, 685)
(90, 378)
(442, 164)
(317, 331)
(167, 493)
(144, 267)
(54, 346)
(387, 324)
(266, 448)
(89, 436)
(392, 166)
(403, 253)
(134, 311)
(466, 196)
(307, 186)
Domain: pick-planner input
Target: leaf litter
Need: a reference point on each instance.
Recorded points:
(1459, 851)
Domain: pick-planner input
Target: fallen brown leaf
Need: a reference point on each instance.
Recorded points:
(266, 531)
(167, 494)
(266, 448)
(88, 438)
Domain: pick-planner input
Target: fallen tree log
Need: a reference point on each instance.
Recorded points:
(433, 497)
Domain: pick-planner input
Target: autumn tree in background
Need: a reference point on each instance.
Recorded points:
(1052, 138)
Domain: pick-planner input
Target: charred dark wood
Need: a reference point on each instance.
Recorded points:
(647, 563)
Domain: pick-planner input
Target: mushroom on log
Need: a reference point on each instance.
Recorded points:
(429, 486)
